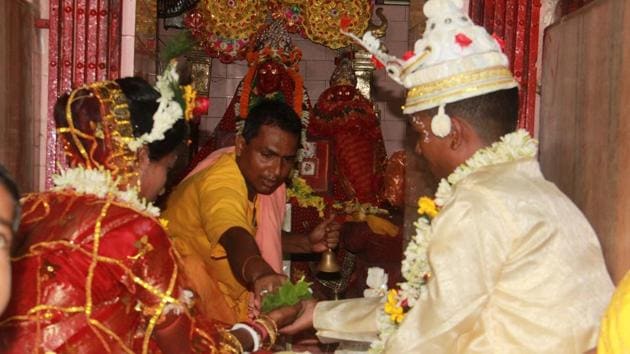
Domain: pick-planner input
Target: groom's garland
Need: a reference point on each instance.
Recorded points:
(416, 268)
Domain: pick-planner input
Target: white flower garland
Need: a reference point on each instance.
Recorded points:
(100, 183)
(169, 110)
(415, 266)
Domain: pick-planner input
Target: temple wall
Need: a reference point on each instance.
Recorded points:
(584, 120)
(316, 67)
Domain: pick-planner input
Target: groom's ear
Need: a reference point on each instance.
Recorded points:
(457, 133)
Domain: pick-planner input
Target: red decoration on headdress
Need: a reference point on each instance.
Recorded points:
(500, 41)
(377, 63)
(202, 104)
(408, 54)
(462, 40)
(345, 22)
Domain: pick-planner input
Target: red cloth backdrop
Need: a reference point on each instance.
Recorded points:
(84, 46)
(517, 23)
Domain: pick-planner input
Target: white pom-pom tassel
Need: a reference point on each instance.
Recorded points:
(441, 123)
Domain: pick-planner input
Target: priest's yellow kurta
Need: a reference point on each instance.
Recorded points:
(516, 269)
(615, 332)
(199, 211)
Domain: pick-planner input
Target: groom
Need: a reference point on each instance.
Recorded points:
(508, 264)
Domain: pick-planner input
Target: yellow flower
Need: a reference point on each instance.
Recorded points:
(392, 308)
(305, 195)
(189, 98)
(392, 296)
(427, 206)
(164, 223)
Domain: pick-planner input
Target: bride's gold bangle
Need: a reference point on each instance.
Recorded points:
(270, 326)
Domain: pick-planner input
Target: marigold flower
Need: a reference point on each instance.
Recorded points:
(427, 206)
(392, 308)
(189, 98)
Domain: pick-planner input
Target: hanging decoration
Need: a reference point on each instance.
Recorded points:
(225, 28)
(146, 25)
(322, 19)
(173, 8)
(292, 15)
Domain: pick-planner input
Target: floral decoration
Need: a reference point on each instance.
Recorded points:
(225, 29)
(99, 182)
(170, 108)
(305, 196)
(190, 97)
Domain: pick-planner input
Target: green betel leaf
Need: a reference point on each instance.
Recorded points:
(180, 44)
(288, 294)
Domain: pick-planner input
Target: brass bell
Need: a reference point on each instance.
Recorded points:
(329, 264)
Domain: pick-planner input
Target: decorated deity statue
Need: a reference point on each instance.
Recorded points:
(272, 73)
(345, 116)
(346, 119)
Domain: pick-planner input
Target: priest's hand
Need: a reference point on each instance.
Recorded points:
(304, 320)
(325, 235)
(265, 284)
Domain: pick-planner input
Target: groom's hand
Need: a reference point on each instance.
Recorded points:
(304, 320)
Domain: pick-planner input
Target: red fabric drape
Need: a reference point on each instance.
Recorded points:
(517, 23)
(84, 46)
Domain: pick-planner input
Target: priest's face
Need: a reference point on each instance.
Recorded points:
(435, 150)
(7, 210)
(267, 159)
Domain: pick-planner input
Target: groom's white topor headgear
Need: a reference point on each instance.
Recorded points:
(454, 60)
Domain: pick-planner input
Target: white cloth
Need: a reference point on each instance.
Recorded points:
(516, 268)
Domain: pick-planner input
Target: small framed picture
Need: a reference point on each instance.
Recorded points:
(308, 167)
(316, 168)
(309, 149)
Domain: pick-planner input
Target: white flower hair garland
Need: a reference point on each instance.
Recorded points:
(169, 110)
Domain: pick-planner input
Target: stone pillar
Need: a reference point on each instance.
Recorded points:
(363, 69)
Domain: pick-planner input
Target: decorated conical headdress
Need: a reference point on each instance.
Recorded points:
(454, 60)
(343, 74)
(273, 42)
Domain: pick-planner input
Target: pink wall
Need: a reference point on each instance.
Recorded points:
(316, 67)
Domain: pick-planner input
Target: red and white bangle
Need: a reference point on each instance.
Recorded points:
(252, 333)
(262, 331)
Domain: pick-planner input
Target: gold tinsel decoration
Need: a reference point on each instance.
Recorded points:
(322, 19)
(234, 19)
